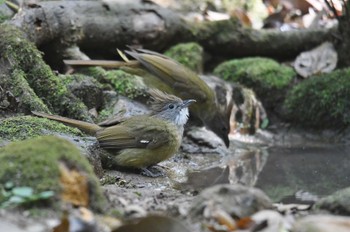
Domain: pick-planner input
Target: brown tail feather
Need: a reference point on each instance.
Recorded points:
(101, 63)
(87, 127)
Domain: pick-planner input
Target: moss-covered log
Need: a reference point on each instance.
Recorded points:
(101, 27)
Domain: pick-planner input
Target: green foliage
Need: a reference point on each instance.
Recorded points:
(188, 54)
(321, 101)
(16, 196)
(24, 127)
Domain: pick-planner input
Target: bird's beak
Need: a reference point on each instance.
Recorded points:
(226, 140)
(188, 102)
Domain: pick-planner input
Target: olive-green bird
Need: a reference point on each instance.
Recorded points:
(166, 74)
(140, 141)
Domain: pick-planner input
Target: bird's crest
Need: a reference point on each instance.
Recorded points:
(159, 99)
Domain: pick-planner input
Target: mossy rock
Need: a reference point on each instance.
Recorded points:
(86, 88)
(24, 63)
(35, 163)
(18, 96)
(321, 101)
(24, 127)
(188, 54)
(126, 84)
(266, 77)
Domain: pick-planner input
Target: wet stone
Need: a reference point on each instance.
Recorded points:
(322, 223)
(237, 200)
(337, 203)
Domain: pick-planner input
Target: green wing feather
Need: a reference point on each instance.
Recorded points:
(151, 134)
(175, 75)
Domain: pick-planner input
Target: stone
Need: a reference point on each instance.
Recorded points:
(322, 223)
(237, 200)
(337, 203)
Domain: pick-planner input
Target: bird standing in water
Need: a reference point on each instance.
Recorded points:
(140, 141)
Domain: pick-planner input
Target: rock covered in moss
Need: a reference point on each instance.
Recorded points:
(126, 84)
(24, 73)
(266, 77)
(188, 54)
(35, 163)
(16, 96)
(321, 101)
(24, 127)
(87, 89)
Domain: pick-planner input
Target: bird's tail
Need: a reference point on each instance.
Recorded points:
(87, 127)
(101, 63)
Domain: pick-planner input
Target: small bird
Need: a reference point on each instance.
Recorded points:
(141, 141)
(164, 73)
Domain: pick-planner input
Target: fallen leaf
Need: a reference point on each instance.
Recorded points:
(322, 59)
(75, 186)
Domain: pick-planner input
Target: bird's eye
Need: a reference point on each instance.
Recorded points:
(171, 106)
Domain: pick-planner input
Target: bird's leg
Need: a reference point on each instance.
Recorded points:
(152, 171)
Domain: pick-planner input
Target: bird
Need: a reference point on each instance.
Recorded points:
(142, 141)
(160, 71)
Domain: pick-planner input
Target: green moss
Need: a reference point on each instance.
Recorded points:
(97, 73)
(20, 89)
(222, 29)
(104, 114)
(188, 54)
(4, 17)
(266, 77)
(256, 72)
(86, 88)
(34, 163)
(24, 127)
(126, 84)
(24, 57)
(321, 101)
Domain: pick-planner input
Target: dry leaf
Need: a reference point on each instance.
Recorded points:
(244, 223)
(153, 223)
(242, 17)
(74, 220)
(64, 225)
(224, 219)
(322, 59)
(75, 186)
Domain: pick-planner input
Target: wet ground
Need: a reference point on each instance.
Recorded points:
(287, 174)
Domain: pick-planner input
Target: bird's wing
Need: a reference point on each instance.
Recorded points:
(123, 136)
(112, 121)
(175, 75)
